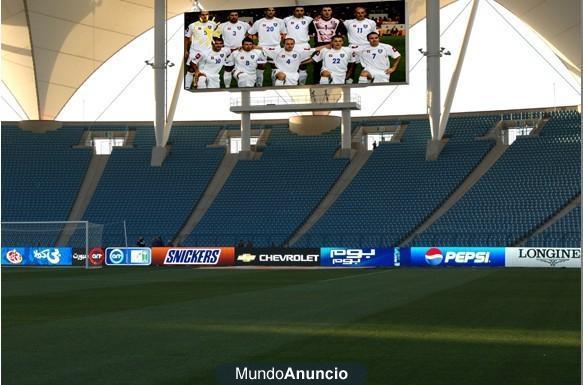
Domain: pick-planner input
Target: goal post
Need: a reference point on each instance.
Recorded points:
(51, 243)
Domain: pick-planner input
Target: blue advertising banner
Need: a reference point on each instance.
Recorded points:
(51, 256)
(14, 256)
(37, 256)
(354, 257)
(453, 256)
(128, 256)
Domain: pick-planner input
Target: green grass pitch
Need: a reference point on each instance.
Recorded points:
(406, 326)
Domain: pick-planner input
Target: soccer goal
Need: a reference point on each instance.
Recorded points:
(51, 243)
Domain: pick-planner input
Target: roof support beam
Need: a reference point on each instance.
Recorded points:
(458, 69)
(159, 152)
(160, 70)
(433, 67)
(173, 103)
(245, 123)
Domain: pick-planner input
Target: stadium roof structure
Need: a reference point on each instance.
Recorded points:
(50, 48)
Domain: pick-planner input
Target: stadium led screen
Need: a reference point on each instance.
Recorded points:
(297, 46)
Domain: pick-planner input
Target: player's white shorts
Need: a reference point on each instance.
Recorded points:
(269, 52)
(337, 77)
(195, 54)
(209, 81)
(302, 46)
(378, 76)
(245, 79)
(358, 47)
(291, 78)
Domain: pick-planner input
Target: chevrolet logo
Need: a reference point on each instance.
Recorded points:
(246, 258)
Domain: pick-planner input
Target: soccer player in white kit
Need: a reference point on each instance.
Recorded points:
(247, 61)
(288, 61)
(197, 40)
(233, 33)
(375, 61)
(358, 29)
(207, 67)
(338, 62)
(269, 30)
(298, 26)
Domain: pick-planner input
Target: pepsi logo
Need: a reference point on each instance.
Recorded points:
(434, 256)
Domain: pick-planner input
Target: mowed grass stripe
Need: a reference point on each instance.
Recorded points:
(393, 332)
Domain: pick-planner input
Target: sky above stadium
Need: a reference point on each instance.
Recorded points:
(507, 66)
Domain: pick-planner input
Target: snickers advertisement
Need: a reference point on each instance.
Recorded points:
(193, 256)
(277, 257)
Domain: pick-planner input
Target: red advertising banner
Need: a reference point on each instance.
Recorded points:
(193, 256)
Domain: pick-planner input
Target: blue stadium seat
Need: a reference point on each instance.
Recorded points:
(534, 178)
(41, 176)
(397, 188)
(154, 201)
(265, 200)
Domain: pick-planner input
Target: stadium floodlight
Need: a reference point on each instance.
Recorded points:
(53, 243)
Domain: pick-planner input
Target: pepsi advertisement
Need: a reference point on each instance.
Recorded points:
(453, 256)
(355, 257)
(37, 256)
(128, 256)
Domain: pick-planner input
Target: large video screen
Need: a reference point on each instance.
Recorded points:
(332, 44)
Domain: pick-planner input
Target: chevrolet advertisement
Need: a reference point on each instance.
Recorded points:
(277, 257)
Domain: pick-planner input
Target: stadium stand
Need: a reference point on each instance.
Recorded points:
(534, 178)
(154, 201)
(41, 175)
(265, 200)
(566, 232)
(398, 188)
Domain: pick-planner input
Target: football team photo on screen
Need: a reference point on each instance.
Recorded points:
(360, 44)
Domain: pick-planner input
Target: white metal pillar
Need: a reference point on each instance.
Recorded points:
(174, 103)
(245, 122)
(346, 126)
(433, 68)
(458, 69)
(160, 69)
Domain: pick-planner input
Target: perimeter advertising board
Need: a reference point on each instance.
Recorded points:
(543, 257)
(358, 257)
(277, 257)
(128, 256)
(37, 256)
(193, 256)
(453, 256)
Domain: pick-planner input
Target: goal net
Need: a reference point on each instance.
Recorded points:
(58, 243)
